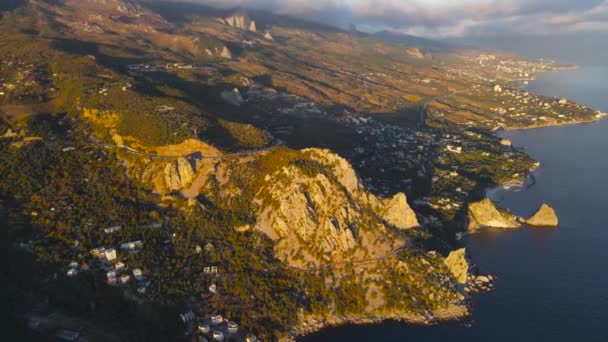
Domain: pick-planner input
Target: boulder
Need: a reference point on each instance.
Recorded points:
(458, 265)
(485, 214)
(545, 217)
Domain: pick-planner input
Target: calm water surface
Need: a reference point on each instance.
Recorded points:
(552, 283)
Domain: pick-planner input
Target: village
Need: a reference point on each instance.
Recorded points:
(111, 263)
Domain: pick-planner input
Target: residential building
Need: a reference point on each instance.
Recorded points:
(111, 230)
(110, 254)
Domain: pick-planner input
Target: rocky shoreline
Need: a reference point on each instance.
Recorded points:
(311, 324)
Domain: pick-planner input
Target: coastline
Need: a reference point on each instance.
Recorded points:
(523, 128)
(311, 324)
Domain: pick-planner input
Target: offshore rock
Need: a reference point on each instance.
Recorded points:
(545, 217)
(485, 214)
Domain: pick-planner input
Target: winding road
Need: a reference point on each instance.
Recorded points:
(160, 156)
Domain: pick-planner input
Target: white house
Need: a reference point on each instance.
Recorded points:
(111, 230)
(233, 328)
(454, 149)
(96, 252)
(110, 254)
(218, 336)
(217, 319)
(204, 328)
(137, 274)
(131, 245)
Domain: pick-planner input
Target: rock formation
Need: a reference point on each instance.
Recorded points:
(268, 36)
(458, 266)
(485, 214)
(252, 27)
(545, 217)
(241, 22)
(328, 216)
(226, 53)
(178, 174)
(398, 213)
(415, 52)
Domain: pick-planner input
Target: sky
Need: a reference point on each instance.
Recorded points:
(579, 27)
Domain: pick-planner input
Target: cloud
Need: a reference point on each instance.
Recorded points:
(444, 18)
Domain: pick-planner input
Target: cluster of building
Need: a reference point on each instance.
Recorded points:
(21, 77)
(117, 272)
(74, 267)
(215, 328)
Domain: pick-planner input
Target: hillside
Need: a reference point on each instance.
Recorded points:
(159, 159)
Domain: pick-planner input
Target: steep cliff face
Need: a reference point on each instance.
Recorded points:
(458, 266)
(398, 213)
(241, 22)
(326, 216)
(178, 174)
(485, 214)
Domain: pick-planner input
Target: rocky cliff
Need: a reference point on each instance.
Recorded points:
(241, 22)
(545, 216)
(178, 174)
(485, 214)
(458, 266)
(327, 216)
(415, 52)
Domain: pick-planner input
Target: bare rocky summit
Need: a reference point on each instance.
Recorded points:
(329, 217)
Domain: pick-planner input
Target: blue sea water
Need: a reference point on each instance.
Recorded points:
(552, 283)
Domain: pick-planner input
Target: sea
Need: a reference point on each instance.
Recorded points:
(552, 284)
